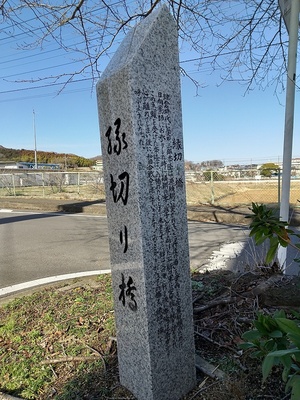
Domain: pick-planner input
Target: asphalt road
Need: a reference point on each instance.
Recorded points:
(38, 245)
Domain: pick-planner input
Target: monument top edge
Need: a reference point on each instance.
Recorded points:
(133, 41)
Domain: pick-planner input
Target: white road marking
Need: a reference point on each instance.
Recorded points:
(5, 210)
(28, 285)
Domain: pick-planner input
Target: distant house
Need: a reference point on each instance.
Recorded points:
(98, 166)
(26, 165)
(11, 165)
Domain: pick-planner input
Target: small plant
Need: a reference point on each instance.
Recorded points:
(266, 225)
(197, 285)
(277, 339)
(266, 336)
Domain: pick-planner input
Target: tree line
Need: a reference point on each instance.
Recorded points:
(65, 160)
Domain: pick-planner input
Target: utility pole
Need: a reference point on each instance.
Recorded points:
(34, 132)
(290, 11)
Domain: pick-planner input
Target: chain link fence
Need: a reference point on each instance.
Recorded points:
(73, 185)
(236, 187)
(239, 187)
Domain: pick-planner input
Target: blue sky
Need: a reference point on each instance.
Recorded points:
(220, 123)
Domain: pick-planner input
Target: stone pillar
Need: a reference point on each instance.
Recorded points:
(139, 104)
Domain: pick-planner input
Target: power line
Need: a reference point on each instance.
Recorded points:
(181, 62)
(74, 50)
(46, 86)
(230, 53)
(42, 53)
(40, 69)
(50, 94)
(197, 59)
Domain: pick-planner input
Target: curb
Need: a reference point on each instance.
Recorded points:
(85, 280)
(4, 396)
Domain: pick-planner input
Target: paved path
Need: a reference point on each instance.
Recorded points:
(38, 245)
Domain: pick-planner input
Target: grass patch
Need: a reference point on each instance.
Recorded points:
(49, 337)
(55, 344)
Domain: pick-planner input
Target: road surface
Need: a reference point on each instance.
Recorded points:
(39, 245)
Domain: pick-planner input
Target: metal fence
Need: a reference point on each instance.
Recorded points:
(236, 187)
(52, 184)
(234, 192)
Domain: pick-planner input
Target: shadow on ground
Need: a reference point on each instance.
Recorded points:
(97, 380)
(78, 206)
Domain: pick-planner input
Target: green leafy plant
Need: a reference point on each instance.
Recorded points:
(266, 336)
(267, 225)
(277, 339)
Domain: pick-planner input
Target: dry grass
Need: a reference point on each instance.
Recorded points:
(221, 193)
(238, 193)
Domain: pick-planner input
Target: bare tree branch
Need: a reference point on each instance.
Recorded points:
(242, 41)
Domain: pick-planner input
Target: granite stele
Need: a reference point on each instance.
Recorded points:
(142, 147)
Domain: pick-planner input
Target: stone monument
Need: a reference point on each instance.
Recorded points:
(139, 104)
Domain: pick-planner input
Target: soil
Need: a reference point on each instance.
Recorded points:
(225, 306)
(223, 310)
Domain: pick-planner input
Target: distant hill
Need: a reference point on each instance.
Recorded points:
(96, 158)
(43, 157)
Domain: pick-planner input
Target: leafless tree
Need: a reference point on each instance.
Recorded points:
(241, 40)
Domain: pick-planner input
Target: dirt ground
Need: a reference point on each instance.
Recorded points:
(224, 308)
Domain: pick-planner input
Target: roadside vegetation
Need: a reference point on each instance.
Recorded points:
(59, 342)
(49, 338)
